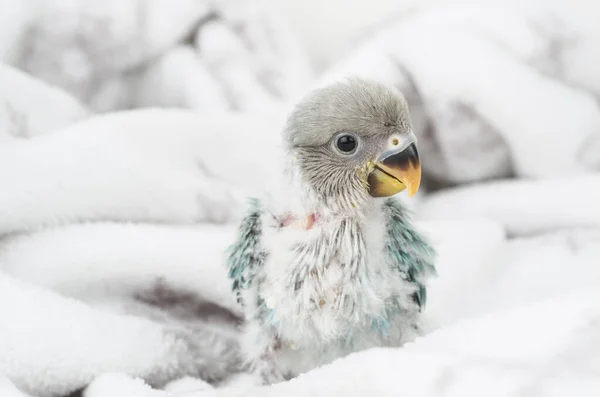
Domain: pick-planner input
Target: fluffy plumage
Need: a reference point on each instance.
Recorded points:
(320, 266)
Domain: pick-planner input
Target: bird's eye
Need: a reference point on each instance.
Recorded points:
(346, 143)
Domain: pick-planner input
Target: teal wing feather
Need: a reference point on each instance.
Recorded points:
(410, 253)
(245, 257)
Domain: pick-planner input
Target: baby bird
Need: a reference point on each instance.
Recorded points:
(328, 263)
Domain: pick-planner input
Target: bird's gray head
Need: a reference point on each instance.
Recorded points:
(353, 140)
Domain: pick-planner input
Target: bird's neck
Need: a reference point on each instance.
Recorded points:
(298, 205)
(291, 201)
(293, 195)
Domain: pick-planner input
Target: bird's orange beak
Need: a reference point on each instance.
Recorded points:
(394, 171)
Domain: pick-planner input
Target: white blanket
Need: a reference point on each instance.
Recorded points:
(127, 279)
(528, 351)
(28, 107)
(112, 228)
(115, 54)
(106, 251)
(526, 323)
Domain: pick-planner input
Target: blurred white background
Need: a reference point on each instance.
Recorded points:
(327, 29)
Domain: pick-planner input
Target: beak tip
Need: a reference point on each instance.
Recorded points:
(412, 189)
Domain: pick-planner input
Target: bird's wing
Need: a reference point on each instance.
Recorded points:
(409, 251)
(246, 256)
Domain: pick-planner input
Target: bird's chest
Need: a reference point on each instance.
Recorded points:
(325, 282)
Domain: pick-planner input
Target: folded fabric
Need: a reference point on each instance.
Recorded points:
(107, 54)
(525, 351)
(524, 207)
(128, 297)
(30, 107)
(101, 262)
(52, 346)
(147, 165)
(165, 273)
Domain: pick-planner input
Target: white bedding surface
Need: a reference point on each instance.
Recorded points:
(113, 227)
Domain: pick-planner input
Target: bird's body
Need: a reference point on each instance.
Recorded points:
(322, 267)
